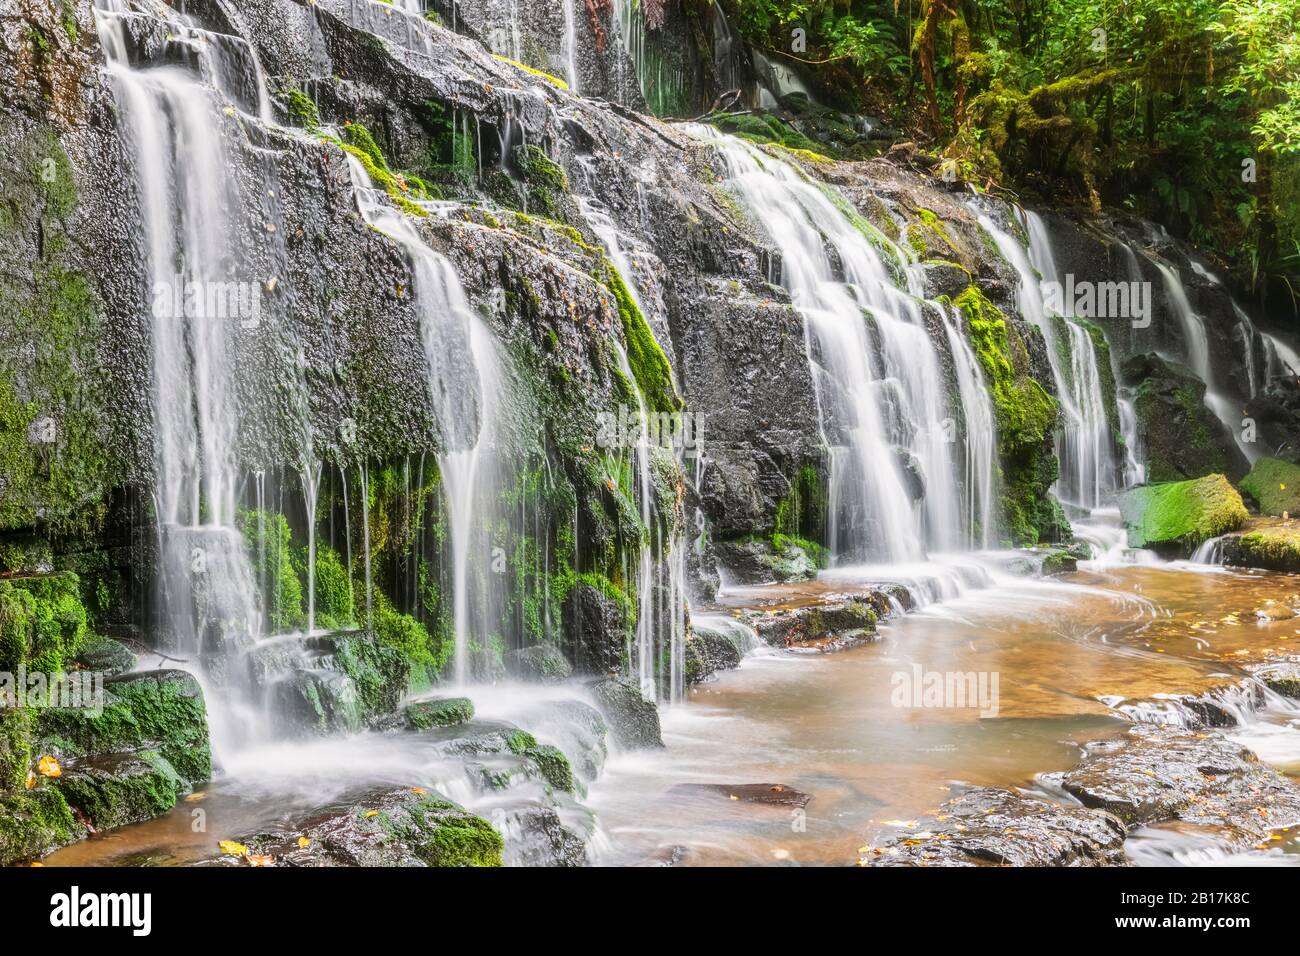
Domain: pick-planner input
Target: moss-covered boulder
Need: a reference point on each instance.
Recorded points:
(439, 712)
(543, 662)
(1272, 547)
(105, 655)
(1274, 486)
(401, 826)
(112, 790)
(161, 711)
(1174, 518)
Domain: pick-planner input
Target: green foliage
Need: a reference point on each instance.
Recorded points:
(267, 536)
(42, 622)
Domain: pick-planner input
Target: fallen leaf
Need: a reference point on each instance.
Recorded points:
(233, 848)
(49, 767)
(372, 813)
(254, 860)
(303, 843)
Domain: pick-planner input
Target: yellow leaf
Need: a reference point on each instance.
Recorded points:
(31, 780)
(49, 767)
(303, 843)
(419, 790)
(372, 813)
(233, 848)
(194, 797)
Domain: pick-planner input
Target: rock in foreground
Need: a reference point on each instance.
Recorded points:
(990, 827)
(1174, 518)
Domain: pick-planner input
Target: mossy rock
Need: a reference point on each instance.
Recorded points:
(633, 720)
(159, 711)
(380, 673)
(401, 826)
(105, 655)
(1177, 516)
(439, 712)
(544, 663)
(1274, 486)
(1269, 548)
(34, 823)
(42, 622)
(113, 790)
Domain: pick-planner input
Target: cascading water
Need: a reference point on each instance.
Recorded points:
(1196, 342)
(875, 367)
(1084, 445)
(464, 383)
(655, 617)
(176, 129)
(571, 46)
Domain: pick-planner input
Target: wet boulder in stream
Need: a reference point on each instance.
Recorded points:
(633, 720)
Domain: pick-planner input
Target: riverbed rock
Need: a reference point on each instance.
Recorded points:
(1229, 705)
(708, 651)
(1274, 487)
(633, 720)
(1282, 677)
(771, 794)
(112, 790)
(398, 826)
(105, 655)
(1159, 773)
(160, 711)
(1271, 547)
(991, 827)
(539, 836)
(836, 625)
(1174, 518)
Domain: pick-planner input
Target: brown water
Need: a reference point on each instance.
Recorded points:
(826, 725)
(1063, 651)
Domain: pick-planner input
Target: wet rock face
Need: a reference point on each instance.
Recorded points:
(596, 632)
(1181, 438)
(1155, 773)
(990, 827)
(541, 662)
(401, 826)
(633, 720)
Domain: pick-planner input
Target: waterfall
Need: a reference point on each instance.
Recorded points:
(1084, 444)
(1196, 342)
(571, 46)
(877, 372)
(464, 381)
(652, 617)
(175, 123)
(1135, 472)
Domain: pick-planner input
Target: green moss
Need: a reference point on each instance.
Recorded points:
(335, 595)
(785, 544)
(553, 765)
(802, 511)
(1025, 416)
(763, 128)
(559, 83)
(462, 839)
(381, 673)
(440, 712)
(1181, 514)
(268, 539)
(42, 622)
(303, 108)
(650, 368)
(1275, 487)
(398, 188)
(544, 178)
(1274, 549)
(56, 476)
(121, 789)
(32, 824)
(160, 710)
